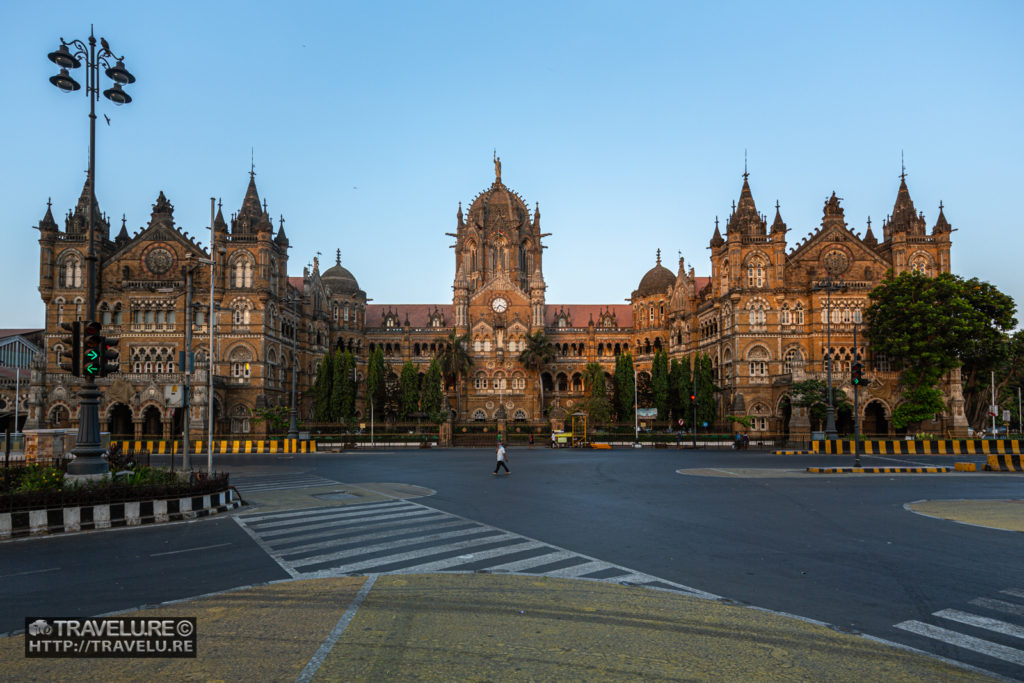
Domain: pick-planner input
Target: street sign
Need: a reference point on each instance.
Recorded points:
(680, 422)
(1006, 416)
(704, 424)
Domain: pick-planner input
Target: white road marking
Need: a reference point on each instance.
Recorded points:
(981, 622)
(1000, 606)
(33, 571)
(189, 550)
(1007, 654)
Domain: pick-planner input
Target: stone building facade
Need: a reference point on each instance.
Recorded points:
(760, 315)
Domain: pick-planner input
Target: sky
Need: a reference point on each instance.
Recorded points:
(630, 123)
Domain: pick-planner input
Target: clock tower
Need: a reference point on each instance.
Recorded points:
(498, 262)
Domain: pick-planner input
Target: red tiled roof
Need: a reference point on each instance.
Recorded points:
(700, 282)
(4, 333)
(8, 373)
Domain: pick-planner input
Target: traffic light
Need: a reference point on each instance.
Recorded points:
(857, 373)
(71, 357)
(108, 357)
(92, 349)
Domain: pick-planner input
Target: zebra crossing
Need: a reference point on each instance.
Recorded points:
(403, 537)
(994, 627)
(279, 482)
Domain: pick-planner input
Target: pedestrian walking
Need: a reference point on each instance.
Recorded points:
(746, 441)
(502, 460)
(553, 442)
(531, 440)
(679, 439)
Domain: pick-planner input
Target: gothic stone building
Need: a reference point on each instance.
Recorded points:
(760, 316)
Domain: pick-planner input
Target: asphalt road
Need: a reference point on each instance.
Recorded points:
(750, 527)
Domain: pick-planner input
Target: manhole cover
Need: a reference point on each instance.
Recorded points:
(334, 495)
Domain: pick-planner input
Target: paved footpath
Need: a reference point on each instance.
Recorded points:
(445, 627)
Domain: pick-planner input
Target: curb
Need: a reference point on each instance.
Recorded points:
(878, 470)
(107, 515)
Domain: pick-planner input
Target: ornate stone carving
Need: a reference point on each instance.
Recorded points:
(159, 260)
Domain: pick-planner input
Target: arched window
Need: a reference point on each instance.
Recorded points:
(757, 275)
(792, 357)
(241, 270)
(479, 415)
(241, 364)
(756, 310)
(240, 417)
(757, 359)
(69, 272)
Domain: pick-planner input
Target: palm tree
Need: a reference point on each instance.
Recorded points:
(538, 353)
(454, 361)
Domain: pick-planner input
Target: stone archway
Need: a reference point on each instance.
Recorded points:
(119, 422)
(875, 421)
(59, 417)
(152, 425)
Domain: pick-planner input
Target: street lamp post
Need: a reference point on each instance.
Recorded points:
(828, 285)
(89, 451)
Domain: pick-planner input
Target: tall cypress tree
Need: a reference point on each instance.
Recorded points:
(659, 383)
(625, 386)
(432, 393)
(345, 376)
(338, 386)
(408, 391)
(706, 409)
(375, 383)
(684, 387)
(322, 388)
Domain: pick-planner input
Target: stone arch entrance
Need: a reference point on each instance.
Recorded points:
(152, 427)
(119, 422)
(60, 417)
(875, 422)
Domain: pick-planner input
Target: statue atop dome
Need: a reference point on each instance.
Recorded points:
(497, 167)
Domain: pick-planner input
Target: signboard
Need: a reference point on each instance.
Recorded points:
(704, 424)
(647, 412)
(1006, 416)
(680, 422)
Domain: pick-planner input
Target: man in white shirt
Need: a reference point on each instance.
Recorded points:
(502, 460)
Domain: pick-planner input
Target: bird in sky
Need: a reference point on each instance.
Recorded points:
(107, 118)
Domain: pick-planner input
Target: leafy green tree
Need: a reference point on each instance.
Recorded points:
(375, 381)
(455, 363)
(349, 386)
(707, 411)
(276, 418)
(929, 326)
(625, 386)
(539, 352)
(431, 394)
(597, 405)
(322, 388)
(390, 404)
(408, 391)
(684, 388)
(813, 394)
(659, 384)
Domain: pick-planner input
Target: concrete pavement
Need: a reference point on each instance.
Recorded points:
(490, 627)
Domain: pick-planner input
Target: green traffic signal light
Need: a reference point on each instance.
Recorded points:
(92, 342)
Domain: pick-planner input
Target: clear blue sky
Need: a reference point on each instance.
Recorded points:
(626, 121)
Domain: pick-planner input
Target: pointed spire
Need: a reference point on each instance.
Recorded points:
(941, 224)
(281, 239)
(778, 225)
(658, 263)
(716, 239)
(122, 236)
(459, 216)
(251, 202)
(536, 215)
(337, 257)
(869, 237)
(48, 223)
(219, 225)
(904, 216)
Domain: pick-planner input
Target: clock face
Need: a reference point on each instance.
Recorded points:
(499, 305)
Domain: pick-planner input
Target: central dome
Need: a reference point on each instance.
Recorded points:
(656, 281)
(340, 280)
